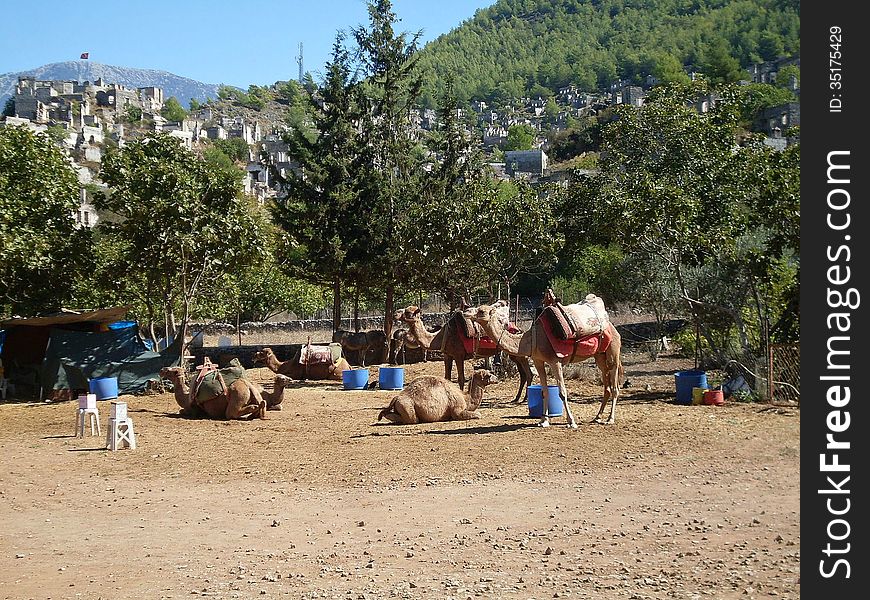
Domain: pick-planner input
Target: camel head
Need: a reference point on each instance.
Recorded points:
(408, 315)
(173, 374)
(262, 356)
(484, 377)
(487, 312)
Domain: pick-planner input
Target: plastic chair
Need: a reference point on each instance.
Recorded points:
(88, 411)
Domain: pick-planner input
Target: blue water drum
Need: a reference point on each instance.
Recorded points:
(685, 381)
(536, 401)
(355, 379)
(391, 378)
(106, 388)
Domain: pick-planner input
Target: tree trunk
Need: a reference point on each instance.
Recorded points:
(356, 309)
(388, 320)
(336, 304)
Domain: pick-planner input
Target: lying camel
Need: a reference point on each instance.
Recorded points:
(243, 398)
(536, 344)
(296, 370)
(429, 398)
(448, 340)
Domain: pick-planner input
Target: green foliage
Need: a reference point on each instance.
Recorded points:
(597, 269)
(583, 135)
(172, 110)
(42, 253)
(721, 220)
(9, 108)
(756, 97)
(56, 133)
(520, 137)
(236, 149)
(132, 114)
(514, 48)
(194, 105)
(785, 75)
(179, 224)
(255, 98)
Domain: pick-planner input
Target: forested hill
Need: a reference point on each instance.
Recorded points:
(517, 47)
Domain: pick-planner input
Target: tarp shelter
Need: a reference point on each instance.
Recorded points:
(55, 356)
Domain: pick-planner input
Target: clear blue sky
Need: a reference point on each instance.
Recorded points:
(238, 42)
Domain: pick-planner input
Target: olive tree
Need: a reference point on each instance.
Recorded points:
(178, 223)
(42, 251)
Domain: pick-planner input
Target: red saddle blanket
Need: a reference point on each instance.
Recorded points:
(583, 347)
(483, 342)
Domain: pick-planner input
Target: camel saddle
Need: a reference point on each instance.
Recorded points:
(576, 321)
(471, 334)
(211, 382)
(580, 347)
(320, 355)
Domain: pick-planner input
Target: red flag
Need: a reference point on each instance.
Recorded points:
(84, 54)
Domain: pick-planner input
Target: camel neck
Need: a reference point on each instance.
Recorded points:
(273, 363)
(475, 393)
(423, 336)
(507, 341)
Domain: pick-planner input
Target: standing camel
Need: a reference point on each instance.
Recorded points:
(361, 342)
(454, 345)
(242, 398)
(537, 343)
(297, 370)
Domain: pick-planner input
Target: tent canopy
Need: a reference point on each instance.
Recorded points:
(74, 357)
(54, 355)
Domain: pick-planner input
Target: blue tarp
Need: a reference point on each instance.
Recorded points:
(74, 357)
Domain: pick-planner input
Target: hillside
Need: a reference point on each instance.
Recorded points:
(519, 47)
(181, 87)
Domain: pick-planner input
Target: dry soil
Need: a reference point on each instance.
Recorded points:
(319, 501)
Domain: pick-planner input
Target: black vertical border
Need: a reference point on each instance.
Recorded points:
(824, 131)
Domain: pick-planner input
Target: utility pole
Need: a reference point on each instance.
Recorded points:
(299, 61)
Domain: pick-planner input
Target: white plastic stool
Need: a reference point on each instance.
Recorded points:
(119, 433)
(88, 410)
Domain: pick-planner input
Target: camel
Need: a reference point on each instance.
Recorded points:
(535, 343)
(448, 340)
(401, 341)
(430, 398)
(296, 370)
(243, 398)
(361, 342)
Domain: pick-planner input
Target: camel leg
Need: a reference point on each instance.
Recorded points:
(406, 413)
(234, 411)
(525, 377)
(601, 361)
(563, 391)
(616, 374)
(467, 415)
(448, 367)
(460, 373)
(542, 375)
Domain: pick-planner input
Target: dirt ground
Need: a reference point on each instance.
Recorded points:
(318, 501)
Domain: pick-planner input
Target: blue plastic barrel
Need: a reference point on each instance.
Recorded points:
(391, 378)
(536, 401)
(685, 381)
(105, 388)
(355, 379)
